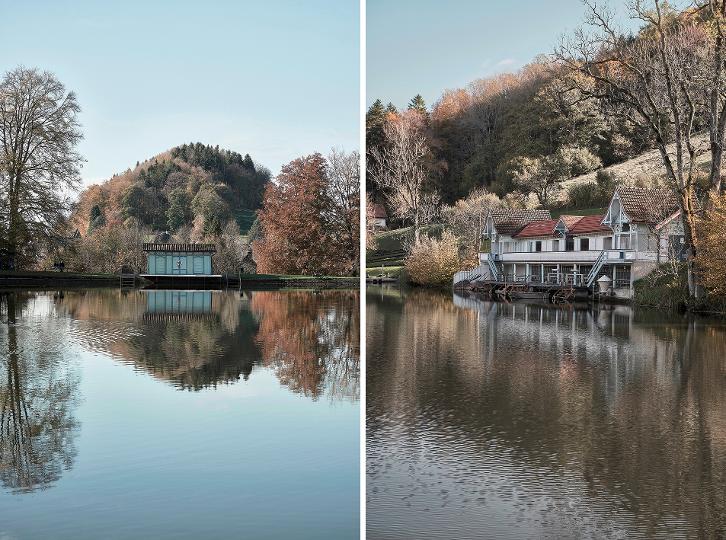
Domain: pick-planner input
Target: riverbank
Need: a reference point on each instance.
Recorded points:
(32, 280)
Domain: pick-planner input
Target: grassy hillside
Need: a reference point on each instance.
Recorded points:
(391, 250)
(245, 218)
(645, 168)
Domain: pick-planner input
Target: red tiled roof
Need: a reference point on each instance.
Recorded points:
(589, 224)
(537, 228)
(379, 211)
(569, 221)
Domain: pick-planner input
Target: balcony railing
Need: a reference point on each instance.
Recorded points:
(612, 256)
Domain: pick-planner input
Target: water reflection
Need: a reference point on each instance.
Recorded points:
(199, 339)
(193, 340)
(528, 420)
(37, 401)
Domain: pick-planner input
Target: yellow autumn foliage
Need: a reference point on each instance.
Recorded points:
(434, 261)
(711, 255)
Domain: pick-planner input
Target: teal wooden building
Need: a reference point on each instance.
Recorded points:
(179, 259)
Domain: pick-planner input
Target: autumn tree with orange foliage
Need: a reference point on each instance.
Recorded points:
(305, 228)
(711, 257)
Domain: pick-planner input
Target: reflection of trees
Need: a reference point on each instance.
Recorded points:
(632, 405)
(311, 340)
(192, 350)
(37, 427)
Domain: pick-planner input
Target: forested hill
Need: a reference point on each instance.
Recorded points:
(477, 136)
(192, 185)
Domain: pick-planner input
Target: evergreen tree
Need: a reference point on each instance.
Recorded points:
(418, 104)
(96, 219)
(375, 119)
(179, 212)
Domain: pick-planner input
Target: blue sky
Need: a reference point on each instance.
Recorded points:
(428, 46)
(276, 79)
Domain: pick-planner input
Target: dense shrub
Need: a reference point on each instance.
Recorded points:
(434, 261)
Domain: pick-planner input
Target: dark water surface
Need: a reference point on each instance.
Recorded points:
(493, 420)
(172, 414)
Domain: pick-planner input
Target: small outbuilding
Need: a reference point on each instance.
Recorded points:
(379, 217)
(164, 259)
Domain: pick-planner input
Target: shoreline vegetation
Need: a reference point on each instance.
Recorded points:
(28, 280)
(303, 222)
(604, 110)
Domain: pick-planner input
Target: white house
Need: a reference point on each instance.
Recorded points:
(379, 217)
(640, 229)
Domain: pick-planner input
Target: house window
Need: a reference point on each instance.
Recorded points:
(555, 245)
(584, 244)
(607, 242)
(569, 244)
(538, 245)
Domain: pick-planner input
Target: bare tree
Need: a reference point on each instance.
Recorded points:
(401, 168)
(668, 79)
(466, 219)
(344, 191)
(38, 161)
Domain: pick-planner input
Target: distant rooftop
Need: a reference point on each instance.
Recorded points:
(188, 248)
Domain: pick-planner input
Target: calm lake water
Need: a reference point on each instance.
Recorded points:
(494, 420)
(173, 414)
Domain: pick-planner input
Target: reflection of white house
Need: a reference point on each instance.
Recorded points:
(640, 229)
(179, 259)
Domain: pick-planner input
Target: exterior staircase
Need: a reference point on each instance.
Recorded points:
(595, 270)
(493, 270)
(127, 281)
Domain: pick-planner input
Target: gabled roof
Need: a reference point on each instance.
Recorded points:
(584, 224)
(511, 220)
(589, 224)
(569, 221)
(537, 228)
(647, 205)
(379, 211)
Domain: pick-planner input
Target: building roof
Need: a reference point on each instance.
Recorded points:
(379, 211)
(511, 220)
(589, 224)
(648, 205)
(537, 228)
(569, 220)
(189, 248)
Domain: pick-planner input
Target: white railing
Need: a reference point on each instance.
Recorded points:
(596, 268)
(467, 275)
(554, 257)
(493, 270)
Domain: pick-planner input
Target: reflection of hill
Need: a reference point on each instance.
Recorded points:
(193, 339)
(311, 340)
(197, 339)
(628, 405)
(37, 399)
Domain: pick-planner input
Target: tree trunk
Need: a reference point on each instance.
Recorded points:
(695, 291)
(13, 221)
(416, 227)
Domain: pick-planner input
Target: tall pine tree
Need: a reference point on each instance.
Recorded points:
(418, 104)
